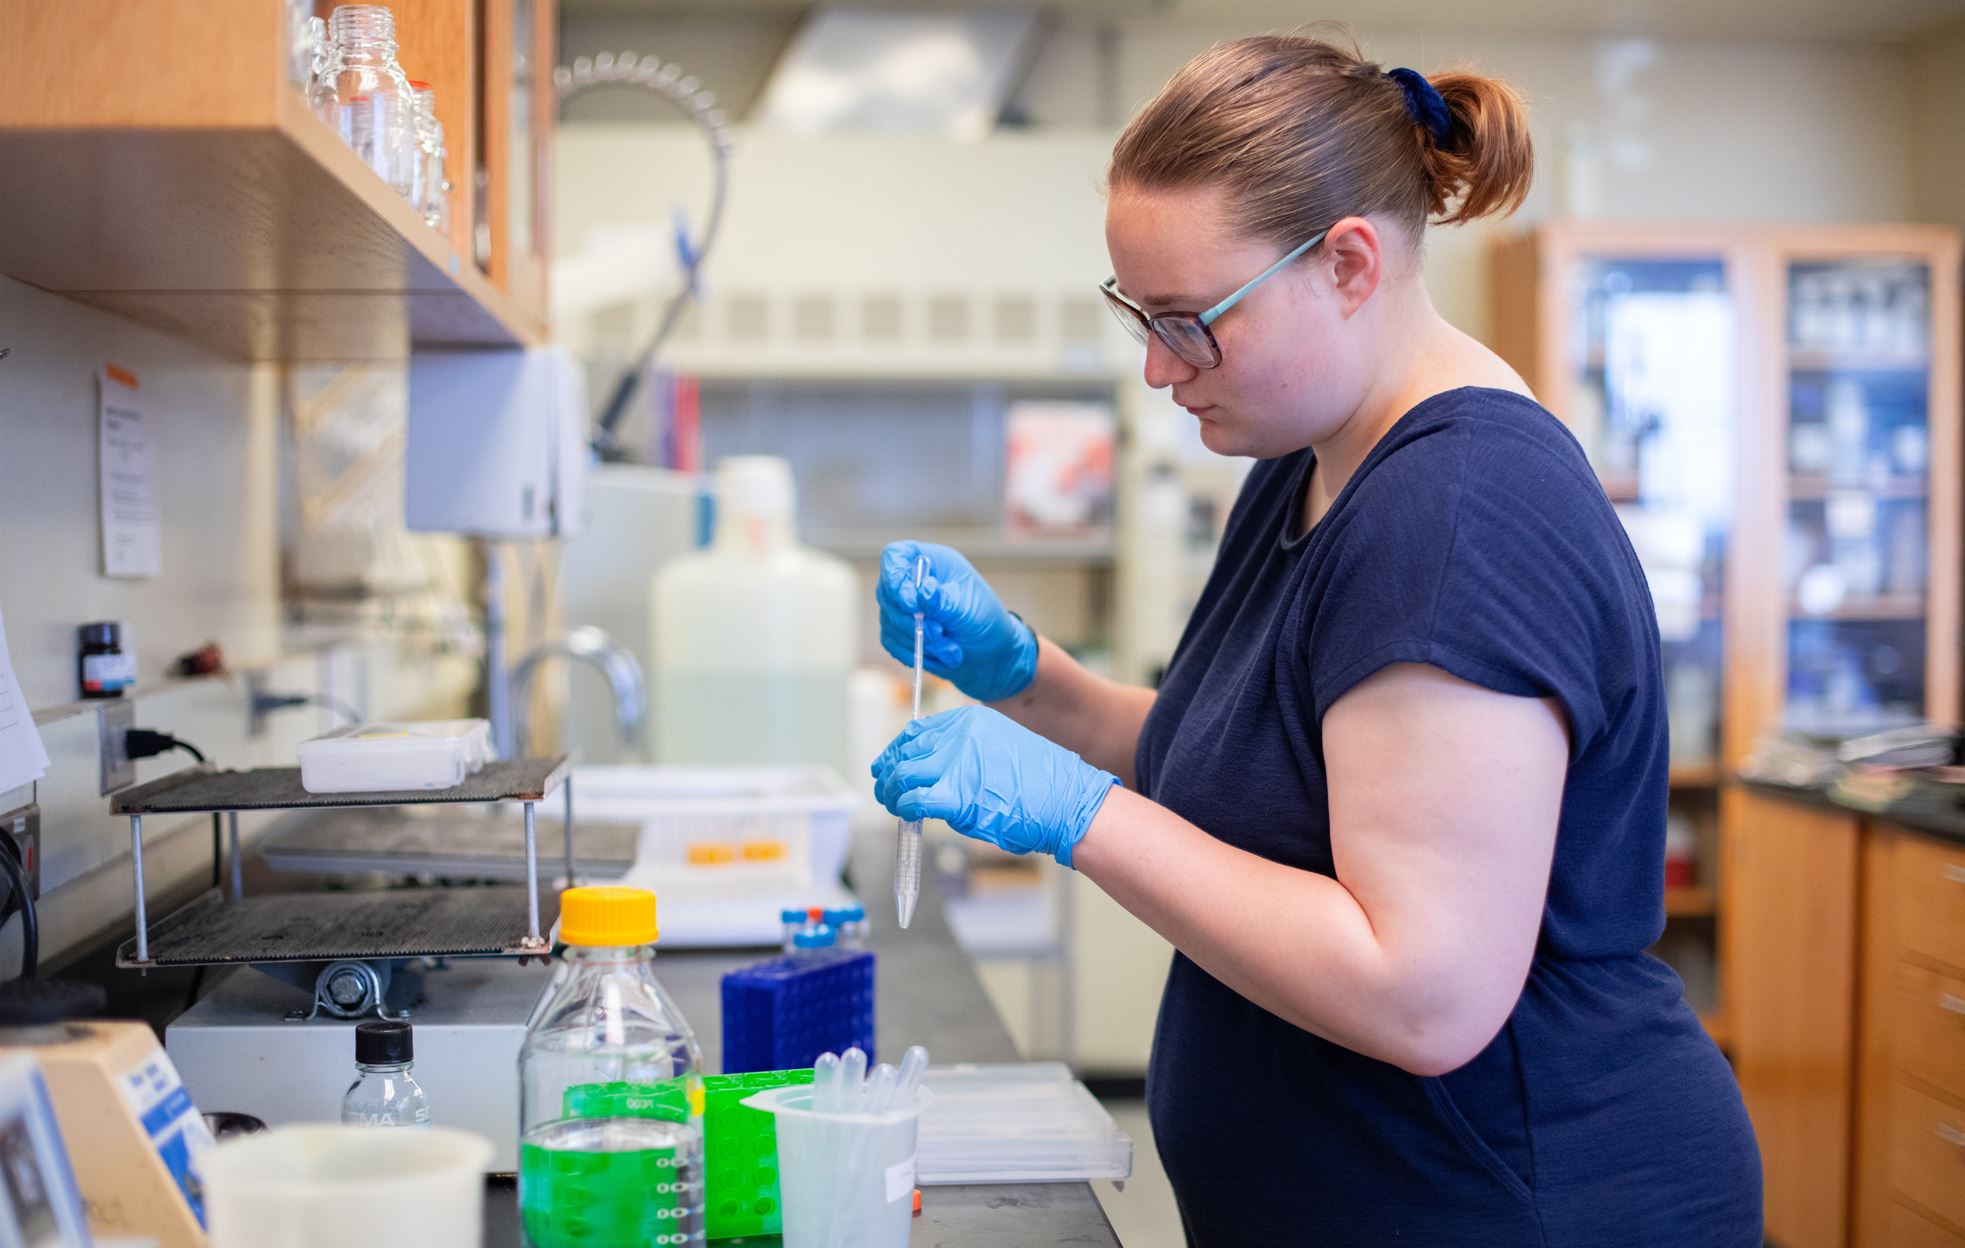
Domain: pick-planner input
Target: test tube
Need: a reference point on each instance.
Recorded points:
(880, 1088)
(914, 1064)
(852, 1079)
(907, 838)
(825, 1084)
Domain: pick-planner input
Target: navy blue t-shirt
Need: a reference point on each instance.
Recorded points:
(1475, 538)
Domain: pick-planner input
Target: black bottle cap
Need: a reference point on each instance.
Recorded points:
(103, 633)
(384, 1043)
(36, 1002)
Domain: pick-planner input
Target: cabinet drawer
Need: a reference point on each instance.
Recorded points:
(1930, 896)
(1927, 1152)
(1904, 1227)
(1927, 1027)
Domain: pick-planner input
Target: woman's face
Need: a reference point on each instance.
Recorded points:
(1291, 368)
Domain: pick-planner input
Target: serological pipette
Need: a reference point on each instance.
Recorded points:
(907, 839)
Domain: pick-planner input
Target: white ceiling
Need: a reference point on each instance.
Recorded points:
(1867, 20)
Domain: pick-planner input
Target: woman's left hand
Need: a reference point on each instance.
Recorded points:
(991, 778)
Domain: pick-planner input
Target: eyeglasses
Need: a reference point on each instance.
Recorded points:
(1186, 334)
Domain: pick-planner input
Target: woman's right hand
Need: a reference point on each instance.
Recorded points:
(968, 636)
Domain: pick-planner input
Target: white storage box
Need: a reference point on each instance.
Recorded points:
(388, 758)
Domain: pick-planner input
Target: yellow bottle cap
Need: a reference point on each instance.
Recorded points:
(607, 915)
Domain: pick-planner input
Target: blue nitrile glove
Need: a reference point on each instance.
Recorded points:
(968, 637)
(992, 778)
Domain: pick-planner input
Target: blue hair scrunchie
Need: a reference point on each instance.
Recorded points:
(1424, 103)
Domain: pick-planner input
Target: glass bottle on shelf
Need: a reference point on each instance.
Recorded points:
(365, 95)
(431, 189)
(305, 35)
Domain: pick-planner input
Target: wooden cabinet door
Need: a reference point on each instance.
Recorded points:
(1788, 949)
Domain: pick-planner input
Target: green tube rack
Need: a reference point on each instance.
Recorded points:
(740, 1151)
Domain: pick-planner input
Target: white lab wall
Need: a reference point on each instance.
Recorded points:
(217, 442)
(1938, 154)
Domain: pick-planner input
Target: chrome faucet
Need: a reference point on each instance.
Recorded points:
(605, 655)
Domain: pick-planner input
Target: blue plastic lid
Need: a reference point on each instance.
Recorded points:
(813, 938)
(854, 914)
(791, 914)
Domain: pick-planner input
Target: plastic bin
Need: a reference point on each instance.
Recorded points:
(848, 1179)
(809, 809)
(327, 1187)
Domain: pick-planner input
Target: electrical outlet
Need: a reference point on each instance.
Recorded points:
(114, 719)
(23, 829)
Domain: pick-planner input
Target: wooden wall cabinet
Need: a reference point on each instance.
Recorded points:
(160, 165)
(1910, 1129)
(1791, 900)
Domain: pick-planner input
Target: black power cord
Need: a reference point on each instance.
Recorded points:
(147, 743)
(18, 898)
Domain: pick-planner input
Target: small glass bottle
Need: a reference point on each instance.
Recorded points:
(793, 920)
(104, 668)
(365, 95)
(422, 115)
(302, 26)
(814, 944)
(849, 925)
(384, 1093)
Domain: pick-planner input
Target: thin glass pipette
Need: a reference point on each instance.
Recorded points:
(907, 838)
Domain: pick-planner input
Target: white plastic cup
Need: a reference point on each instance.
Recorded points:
(845, 1180)
(327, 1187)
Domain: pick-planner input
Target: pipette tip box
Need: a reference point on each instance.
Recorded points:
(782, 1013)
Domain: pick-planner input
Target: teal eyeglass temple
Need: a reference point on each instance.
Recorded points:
(1186, 334)
(1208, 317)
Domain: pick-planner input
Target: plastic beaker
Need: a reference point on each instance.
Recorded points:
(846, 1180)
(322, 1186)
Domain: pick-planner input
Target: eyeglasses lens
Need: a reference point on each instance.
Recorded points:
(1187, 338)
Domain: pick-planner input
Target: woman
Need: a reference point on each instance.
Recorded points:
(1399, 804)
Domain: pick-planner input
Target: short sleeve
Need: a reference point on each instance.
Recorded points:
(1491, 555)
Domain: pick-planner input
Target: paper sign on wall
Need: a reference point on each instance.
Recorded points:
(22, 757)
(132, 525)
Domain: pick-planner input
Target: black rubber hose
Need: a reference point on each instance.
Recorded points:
(30, 925)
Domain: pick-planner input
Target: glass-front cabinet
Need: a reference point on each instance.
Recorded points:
(1647, 378)
(1857, 541)
(1653, 394)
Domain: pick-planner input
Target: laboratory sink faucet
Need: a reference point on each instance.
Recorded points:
(610, 658)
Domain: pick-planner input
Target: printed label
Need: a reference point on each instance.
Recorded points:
(102, 672)
(173, 1124)
(900, 1180)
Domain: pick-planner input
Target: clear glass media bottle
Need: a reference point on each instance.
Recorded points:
(365, 95)
(610, 1090)
(384, 1093)
(429, 188)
